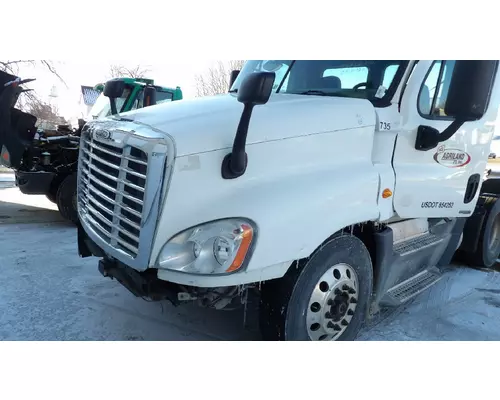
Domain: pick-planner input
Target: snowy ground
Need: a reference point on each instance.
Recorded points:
(49, 293)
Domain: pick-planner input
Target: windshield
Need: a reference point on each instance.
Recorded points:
(373, 80)
(102, 107)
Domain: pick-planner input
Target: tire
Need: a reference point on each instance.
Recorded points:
(296, 307)
(66, 198)
(488, 248)
(54, 186)
(52, 197)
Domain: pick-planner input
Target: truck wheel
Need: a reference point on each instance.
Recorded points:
(54, 186)
(325, 299)
(66, 198)
(51, 197)
(488, 248)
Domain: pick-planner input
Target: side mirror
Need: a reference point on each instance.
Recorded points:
(470, 89)
(232, 78)
(149, 96)
(427, 138)
(468, 98)
(114, 88)
(254, 90)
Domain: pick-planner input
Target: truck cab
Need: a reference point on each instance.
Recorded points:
(332, 189)
(132, 97)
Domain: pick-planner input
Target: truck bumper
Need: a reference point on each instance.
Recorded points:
(140, 284)
(34, 182)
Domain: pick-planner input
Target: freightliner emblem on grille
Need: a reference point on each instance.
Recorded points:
(103, 134)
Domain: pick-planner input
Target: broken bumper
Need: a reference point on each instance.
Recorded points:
(140, 284)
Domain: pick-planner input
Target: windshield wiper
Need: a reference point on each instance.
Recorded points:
(315, 93)
(322, 93)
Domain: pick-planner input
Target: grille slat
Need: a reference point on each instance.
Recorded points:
(129, 158)
(112, 178)
(112, 191)
(120, 217)
(117, 167)
(115, 191)
(110, 212)
(101, 160)
(122, 242)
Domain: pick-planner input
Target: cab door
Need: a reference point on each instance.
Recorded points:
(438, 182)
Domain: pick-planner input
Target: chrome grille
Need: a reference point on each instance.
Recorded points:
(111, 192)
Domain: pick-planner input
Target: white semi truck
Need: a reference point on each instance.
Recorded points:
(331, 189)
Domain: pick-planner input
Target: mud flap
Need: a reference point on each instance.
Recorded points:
(472, 228)
(83, 249)
(86, 246)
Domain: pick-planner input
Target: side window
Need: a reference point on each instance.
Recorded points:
(280, 73)
(434, 91)
(389, 74)
(138, 101)
(349, 77)
(162, 97)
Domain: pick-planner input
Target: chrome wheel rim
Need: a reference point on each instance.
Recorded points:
(333, 303)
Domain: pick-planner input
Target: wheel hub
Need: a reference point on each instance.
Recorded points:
(333, 303)
(339, 307)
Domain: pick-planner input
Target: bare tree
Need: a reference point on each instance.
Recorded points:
(121, 71)
(29, 99)
(216, 79)
(12, 66)
(45, 112)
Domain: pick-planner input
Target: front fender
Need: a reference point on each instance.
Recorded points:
(298, 192)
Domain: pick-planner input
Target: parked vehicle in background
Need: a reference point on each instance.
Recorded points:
(45, 161)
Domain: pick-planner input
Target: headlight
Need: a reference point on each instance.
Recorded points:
(217, 247)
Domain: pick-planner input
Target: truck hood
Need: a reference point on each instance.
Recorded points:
(210, 123)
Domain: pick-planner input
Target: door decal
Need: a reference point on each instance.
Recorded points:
(451, 158)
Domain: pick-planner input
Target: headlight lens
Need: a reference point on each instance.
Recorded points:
(218, 247)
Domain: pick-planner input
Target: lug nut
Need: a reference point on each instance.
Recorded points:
(337, 328)
(328, 315)
(329, 302)
(338, 292)
(350, 312)
(344, 322)
(351, 291)
(353, 300)
(345, 287)
(330, 325)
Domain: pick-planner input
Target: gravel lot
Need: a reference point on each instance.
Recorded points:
(49, 293)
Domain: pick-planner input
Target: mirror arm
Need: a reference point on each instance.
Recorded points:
(451, 130)
(112, 102)
(235, 163)
(428, 137)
